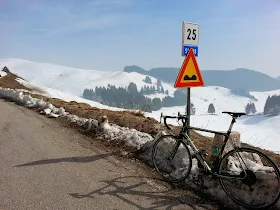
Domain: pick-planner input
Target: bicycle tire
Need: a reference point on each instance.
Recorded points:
(249, 160)
(182, 154)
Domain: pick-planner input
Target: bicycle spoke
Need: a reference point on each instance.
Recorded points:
(171, 158)
(259, 187)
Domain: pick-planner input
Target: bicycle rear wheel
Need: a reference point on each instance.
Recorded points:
(171, 158)
(260, 186)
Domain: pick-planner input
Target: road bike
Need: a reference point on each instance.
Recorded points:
(248, 176)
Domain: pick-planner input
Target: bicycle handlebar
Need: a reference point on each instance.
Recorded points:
(184, 119)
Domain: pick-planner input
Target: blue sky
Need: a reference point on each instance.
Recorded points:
(110, 34)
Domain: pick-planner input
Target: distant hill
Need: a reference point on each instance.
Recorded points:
(239, 78)
(278, 78)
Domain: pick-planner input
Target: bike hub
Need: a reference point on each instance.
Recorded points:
(250, 177)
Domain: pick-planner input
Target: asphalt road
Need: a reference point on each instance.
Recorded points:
(44, 165)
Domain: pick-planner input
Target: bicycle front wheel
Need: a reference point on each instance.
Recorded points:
(171, 158)
(257, 179)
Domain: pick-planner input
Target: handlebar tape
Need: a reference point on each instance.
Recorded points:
(165, 121)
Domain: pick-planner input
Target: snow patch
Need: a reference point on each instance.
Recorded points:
(2, 74)
(28, 101)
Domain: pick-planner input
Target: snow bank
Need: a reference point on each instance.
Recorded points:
(28, 101)
(130, 137)
(143, 142)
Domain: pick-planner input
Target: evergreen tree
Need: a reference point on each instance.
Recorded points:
(148, 80)
(5, 69)
(142, 91)
(145, 90)
(159, 85)
(132, 88)
(148, 90)
(162, 90)
(248, 109)
(273, 111)
(156, 104)
(211, 108)
(253, 108)
(272, 105)
(86, 94)
(192, 109)
(267, 105)
(179, 94)
(166, 92)
(153, 89)
(168, 101)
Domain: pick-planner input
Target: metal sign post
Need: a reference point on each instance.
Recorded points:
(189, 108)
(189, 75)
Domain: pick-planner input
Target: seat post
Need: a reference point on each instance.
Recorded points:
(231, 125)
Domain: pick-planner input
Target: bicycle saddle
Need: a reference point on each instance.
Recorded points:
(235, 114)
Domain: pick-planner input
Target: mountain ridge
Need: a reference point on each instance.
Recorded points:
(243, 78)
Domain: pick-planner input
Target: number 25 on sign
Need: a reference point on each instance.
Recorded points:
(190, 34)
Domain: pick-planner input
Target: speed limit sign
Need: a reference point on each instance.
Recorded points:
(190, 37)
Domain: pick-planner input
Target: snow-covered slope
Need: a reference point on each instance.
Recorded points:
(71, 80)
(53, 93)
(69, 83)
(54, 76)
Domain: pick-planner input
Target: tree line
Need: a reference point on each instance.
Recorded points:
(130, 98)
(272, 105)
(147, 89)
(243, 92)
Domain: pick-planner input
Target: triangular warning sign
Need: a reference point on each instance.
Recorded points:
(189, 74)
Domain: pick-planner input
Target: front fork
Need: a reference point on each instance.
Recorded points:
(174, 150)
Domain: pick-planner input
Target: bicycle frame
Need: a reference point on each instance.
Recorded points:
(196, 151)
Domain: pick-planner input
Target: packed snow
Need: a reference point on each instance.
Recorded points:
(2, 74)
(131, 137)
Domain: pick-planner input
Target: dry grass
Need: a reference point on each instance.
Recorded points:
(132, 120)
(9, 82)
(128, 119)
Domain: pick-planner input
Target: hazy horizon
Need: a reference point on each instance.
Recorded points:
(111, 34)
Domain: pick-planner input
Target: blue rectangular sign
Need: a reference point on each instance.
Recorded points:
(186, 49)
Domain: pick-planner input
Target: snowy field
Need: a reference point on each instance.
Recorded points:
(68, 84)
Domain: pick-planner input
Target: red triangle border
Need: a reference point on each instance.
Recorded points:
(179, 84)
